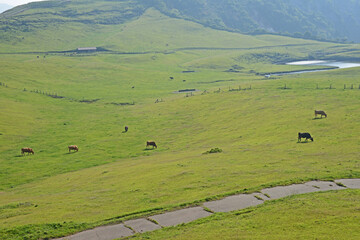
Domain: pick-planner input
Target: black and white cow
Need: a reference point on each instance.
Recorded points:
(304, 135)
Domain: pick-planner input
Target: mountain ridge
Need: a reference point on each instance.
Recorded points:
(327, 20)
(301, 19)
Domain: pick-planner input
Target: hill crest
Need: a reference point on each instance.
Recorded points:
(309, 19)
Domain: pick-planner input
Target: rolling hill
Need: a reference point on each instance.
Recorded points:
(311, 19)
(321, 20)
(52, 96)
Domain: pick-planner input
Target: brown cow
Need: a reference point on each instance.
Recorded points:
(322, 113)
(28, 150)
(73, 147)
(151, 143)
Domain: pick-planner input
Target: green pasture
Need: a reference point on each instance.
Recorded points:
(253, 119)
(113, 175)
(329, 215)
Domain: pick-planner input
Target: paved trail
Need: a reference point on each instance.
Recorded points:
(227, 204)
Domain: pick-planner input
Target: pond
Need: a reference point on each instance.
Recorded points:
(328, 63)
(325, 63)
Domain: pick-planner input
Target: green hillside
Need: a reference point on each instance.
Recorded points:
(315, 19)
(51, 99)
(150, 32)
(310, 19)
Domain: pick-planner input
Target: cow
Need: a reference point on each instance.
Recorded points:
(322, 113)
(305, 135)
(151, 143)
(73, 147)
(126, 128)
(28, 150)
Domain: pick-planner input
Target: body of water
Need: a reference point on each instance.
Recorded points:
(330, 64)
(325, 63)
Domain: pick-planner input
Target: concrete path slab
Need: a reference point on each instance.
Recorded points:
(180, 216)
(102, 233)
(284, 191)
(350, 183)
(324, 185)
(233, 203)
(142, 225)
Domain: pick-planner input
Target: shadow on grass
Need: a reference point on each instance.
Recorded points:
(317, 118)
(69, 153)
(24, 155)
(304, 142)
(149, 149)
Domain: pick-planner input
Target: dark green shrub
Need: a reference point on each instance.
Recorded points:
(213, 150)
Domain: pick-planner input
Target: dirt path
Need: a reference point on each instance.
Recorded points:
(228, 204)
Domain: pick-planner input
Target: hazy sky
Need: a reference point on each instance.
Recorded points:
(17, 2)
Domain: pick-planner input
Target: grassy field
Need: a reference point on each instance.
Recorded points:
(114, 177)
(327, 215)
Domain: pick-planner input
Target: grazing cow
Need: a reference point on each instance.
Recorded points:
(28, 150)
(322, 113)
(126, 128)
(151, 143)
(73, 147)
(306, 136)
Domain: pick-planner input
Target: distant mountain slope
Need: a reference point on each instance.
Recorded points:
(61, 21)
(118, 26)
(4, 7)
(64, 24)
(321, 19)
